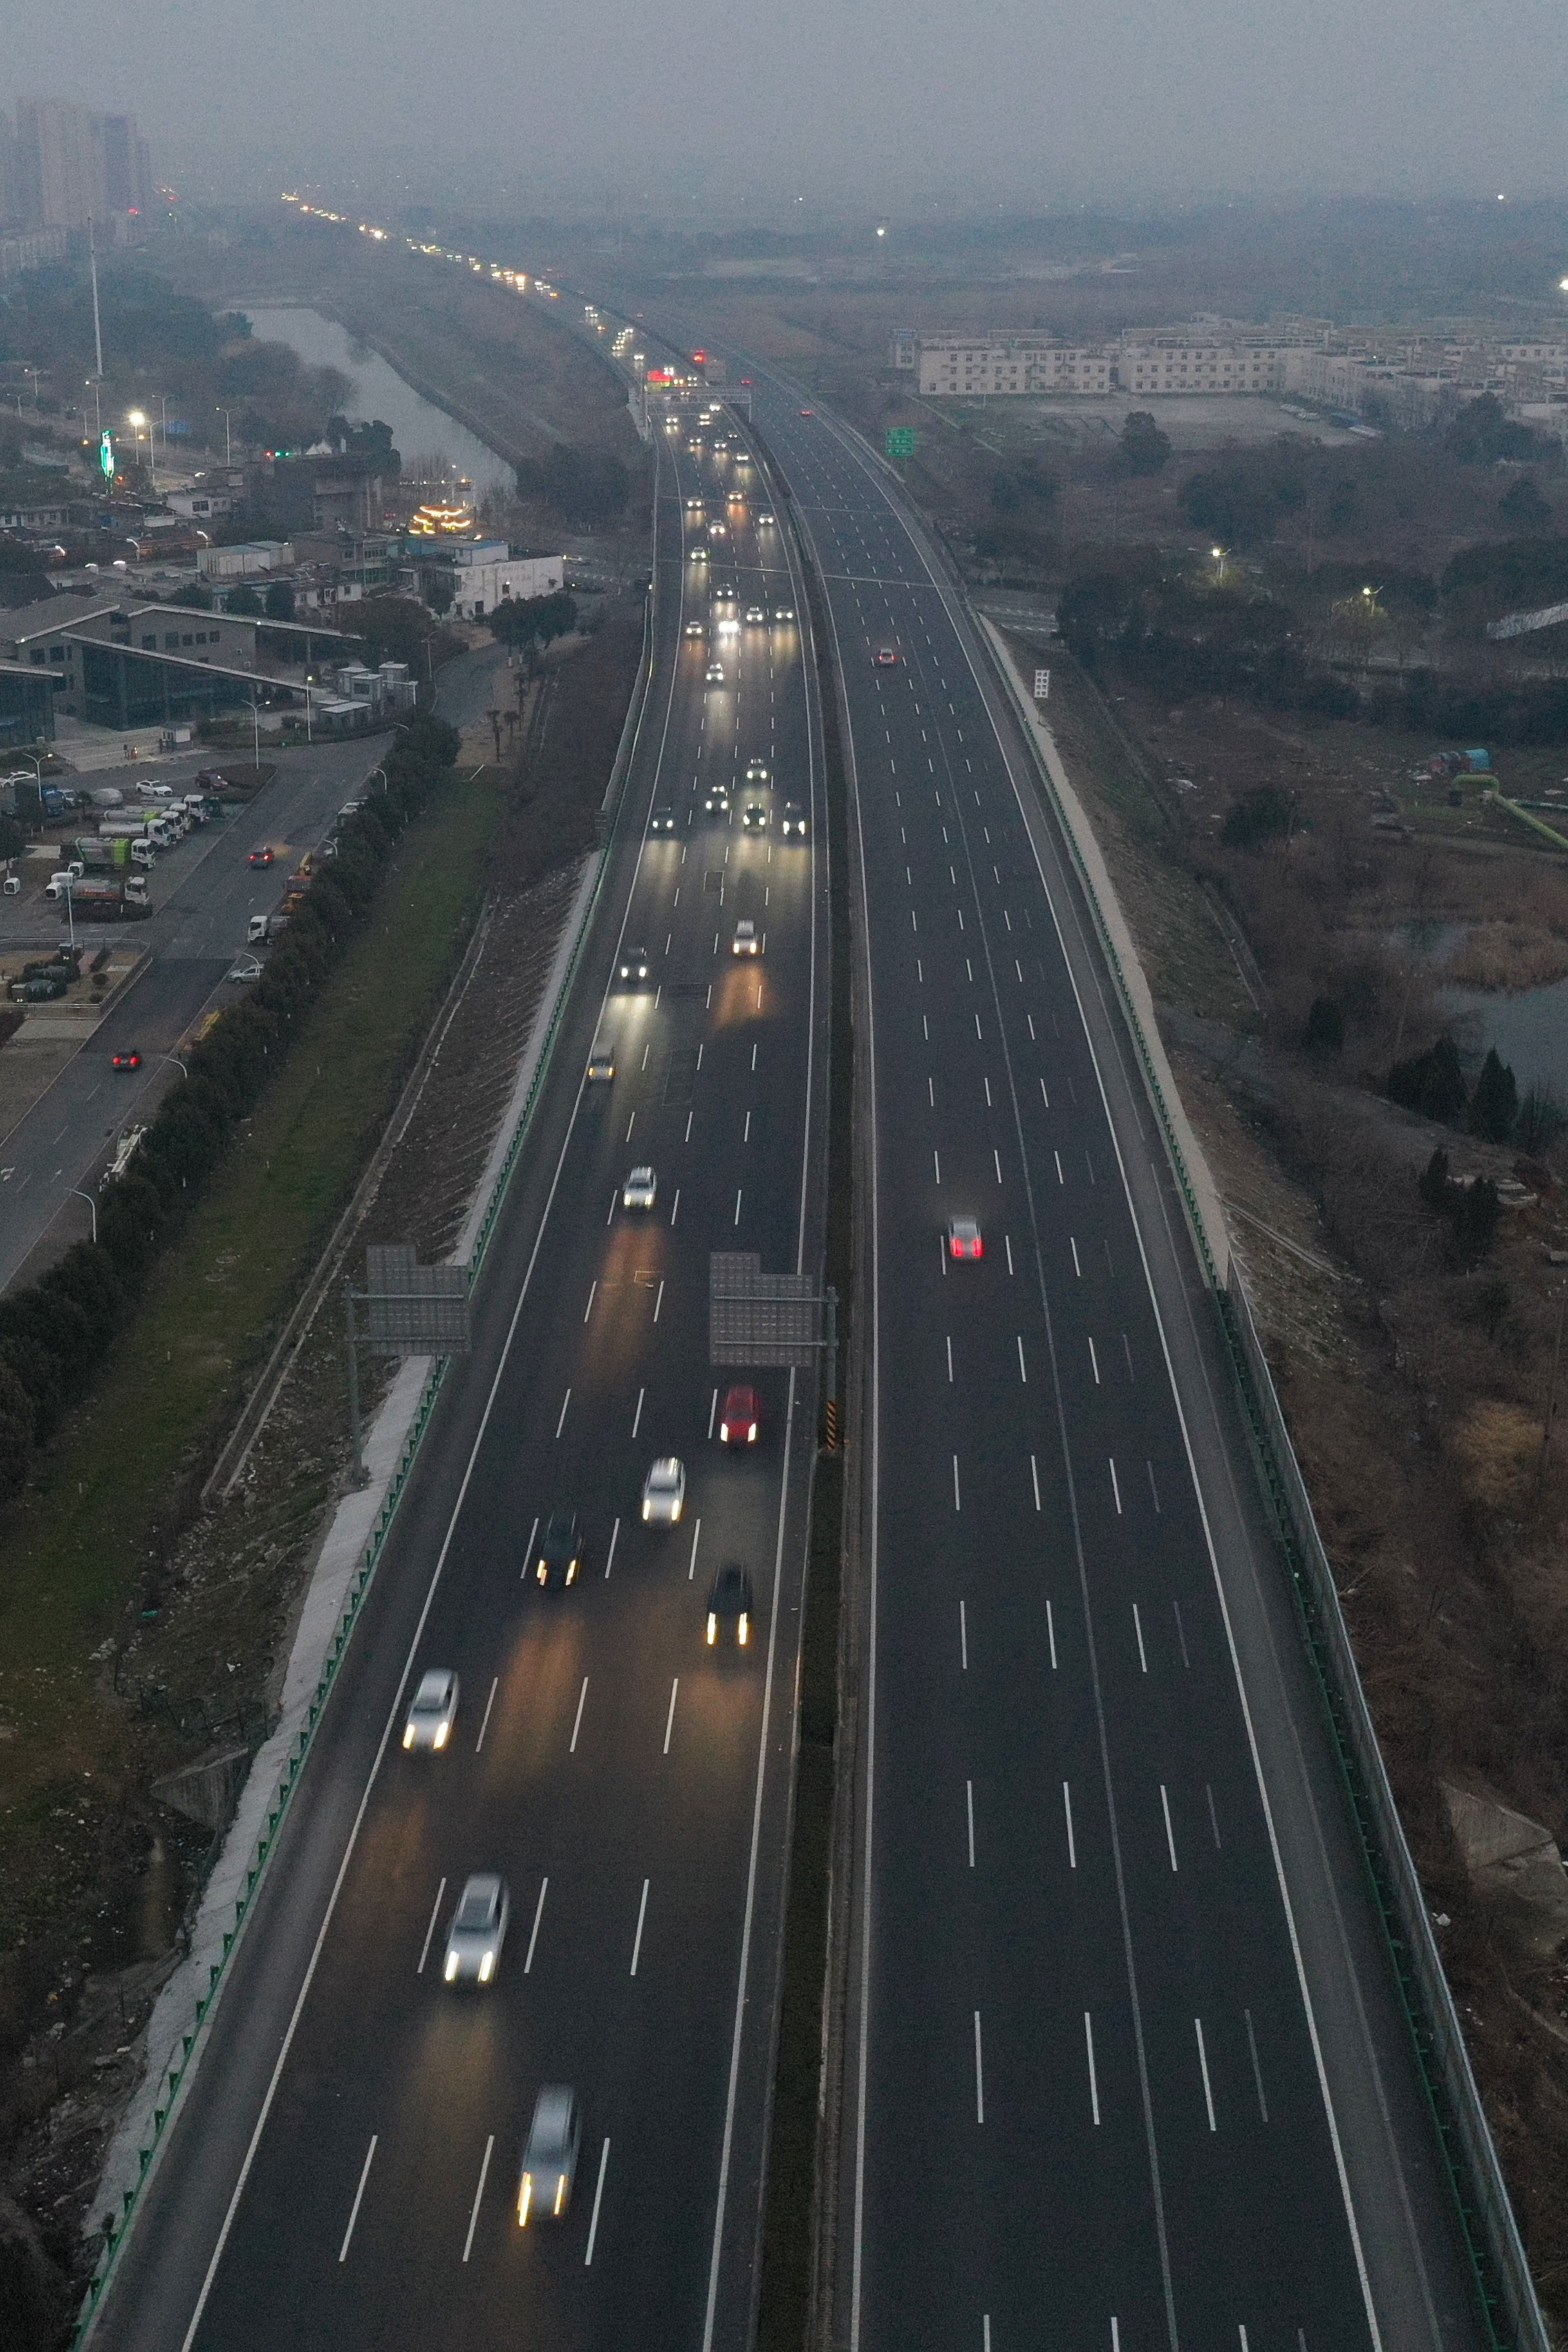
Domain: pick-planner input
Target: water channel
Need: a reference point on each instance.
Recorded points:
(418, 428)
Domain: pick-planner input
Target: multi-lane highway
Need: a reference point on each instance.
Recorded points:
(345, 2168)
(1123, 2066)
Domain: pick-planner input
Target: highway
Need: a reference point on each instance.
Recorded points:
(1123, 2066)
(202, 892)
(343, 2171)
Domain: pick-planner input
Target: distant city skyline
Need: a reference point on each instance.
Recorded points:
(63, 164)
(1021, 102)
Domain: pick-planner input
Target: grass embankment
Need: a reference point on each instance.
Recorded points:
(82, 1550)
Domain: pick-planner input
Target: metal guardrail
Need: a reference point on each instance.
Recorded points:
(613, 796)
(269, 1837)
(265, 1842)
(1505, 2290)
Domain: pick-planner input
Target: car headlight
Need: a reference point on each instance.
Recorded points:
(743, 1629)
(486, 1968)
(441, 1733)
(543, 1570)
(524, 2199)
(560, 2192)
(647, 1509)
(752, 1434)
(723, 1432)
(408, 1735)
(451, 1967)
(712, 1629)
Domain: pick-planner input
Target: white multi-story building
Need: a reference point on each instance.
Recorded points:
(970, 367)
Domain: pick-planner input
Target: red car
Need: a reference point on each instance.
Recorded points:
(741, 1418)
(128, 1059)
(964, 1239)
(264, 856)
(808, 411)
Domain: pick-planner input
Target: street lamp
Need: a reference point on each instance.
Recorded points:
(92, 1203)
(254, 710)
(137, 419)
(1218, 554)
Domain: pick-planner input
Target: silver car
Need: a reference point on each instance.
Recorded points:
(550, 2155)
(477, 1930)
(664, 1492)
(638, 1190)
(434, 1711)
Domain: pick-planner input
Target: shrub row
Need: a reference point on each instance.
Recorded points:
(56, 1332)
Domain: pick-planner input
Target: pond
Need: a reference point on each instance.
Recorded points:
(1528, 1027)
(419, 429)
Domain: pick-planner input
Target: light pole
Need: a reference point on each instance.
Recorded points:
(254, 710)
(1218, 554)
(92, 1203)
(136, 419)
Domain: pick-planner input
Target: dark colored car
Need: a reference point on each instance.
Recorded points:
(128, 1059)
(558, 1554)
(730, 1604)
(264, 856)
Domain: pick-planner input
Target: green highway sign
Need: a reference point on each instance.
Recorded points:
(900, 441)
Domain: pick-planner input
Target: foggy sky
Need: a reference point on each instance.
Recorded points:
(892, 103)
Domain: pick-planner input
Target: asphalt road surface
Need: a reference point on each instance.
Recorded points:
(202, 892)
(345, 2170)
(1124, 2069)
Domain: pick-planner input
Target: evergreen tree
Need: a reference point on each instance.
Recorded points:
(1494, 1106)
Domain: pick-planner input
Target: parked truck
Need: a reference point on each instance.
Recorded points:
(109, 899)
(96, 853)
(262, 928)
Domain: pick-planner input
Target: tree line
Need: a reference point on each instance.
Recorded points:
(55, 1333)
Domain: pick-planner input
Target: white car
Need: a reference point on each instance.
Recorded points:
(715, 674)
(638, 1190)
(664, 1492)
(695, 629)
(550, 2155)
(434, 1711)
(756, 772)
(765, 516)
(783, 611)
(755, 613)
(477, 1930)
(746, 941)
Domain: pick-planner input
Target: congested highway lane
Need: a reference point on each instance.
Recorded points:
(1088, 2073)
(347, 2167)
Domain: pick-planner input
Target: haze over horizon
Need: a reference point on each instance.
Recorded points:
(898, 107)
